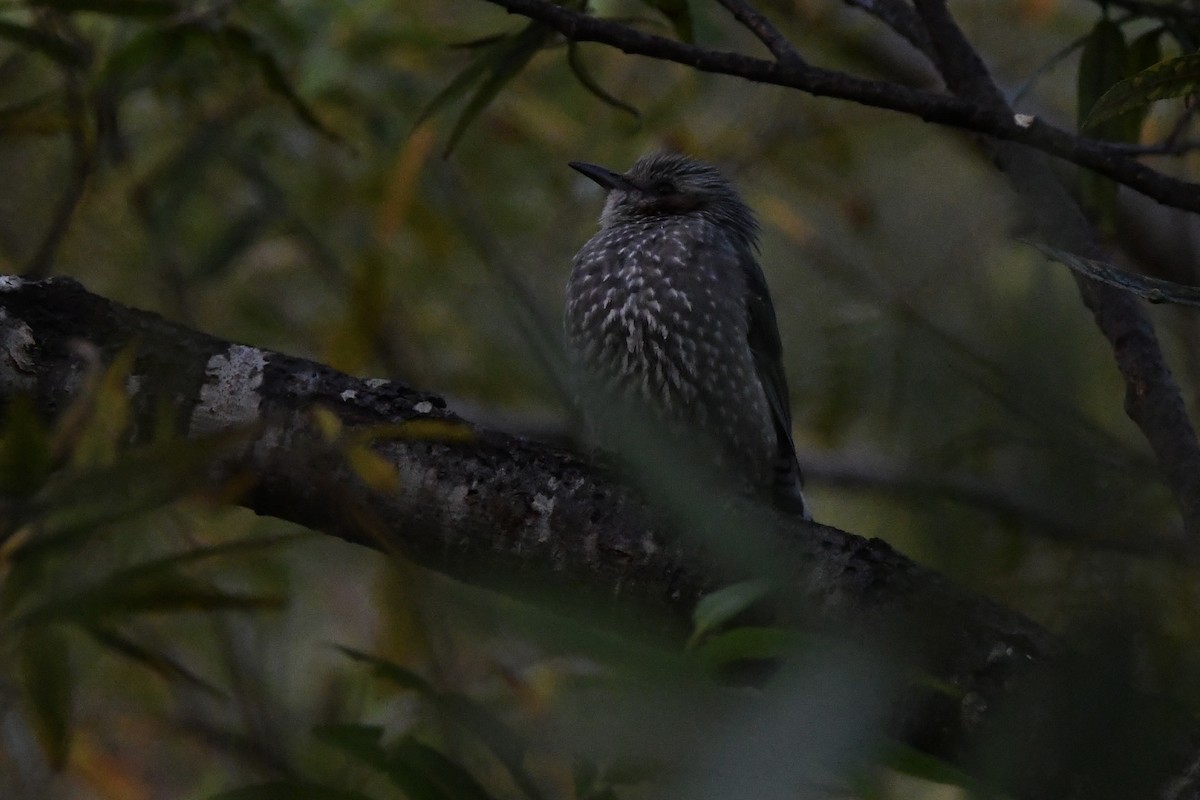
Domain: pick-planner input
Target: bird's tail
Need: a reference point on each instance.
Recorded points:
(789, 489)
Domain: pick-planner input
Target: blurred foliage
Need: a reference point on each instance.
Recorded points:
(274, 173)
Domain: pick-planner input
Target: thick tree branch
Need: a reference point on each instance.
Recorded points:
(498, 511)
(1098, 156)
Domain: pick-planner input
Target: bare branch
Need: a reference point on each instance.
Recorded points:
(1096, 155)
(513, 515)
(783, 50)
(1152, 397)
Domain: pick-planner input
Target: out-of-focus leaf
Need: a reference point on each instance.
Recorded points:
(1152, 289)
(504, 743)
(40, 115)
(632, 771)
(75, 502)
(745, 644)
(49, 688)
(382, 668)
(104, 415)
(680, 15)
(24, 451)
(163, 593)
(910, 761)
(1103, 63)
(1146, 50)
(717, 608)
(159, 663)
(588, 82)
(373, 469)
(327, 422)
(449, 779)
(289, 790)
(497, 63)
(156, 586)
(141, 9)
(235, 239)
(428, 430)
(462, 81)
(48, 45)
(245, 44)
(1174, 77)
(137, 63)
(362, 742)
(511, 59)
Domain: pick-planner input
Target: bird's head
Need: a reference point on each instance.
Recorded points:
(670, 184)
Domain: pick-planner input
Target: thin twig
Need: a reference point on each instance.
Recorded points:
(1153, 399)
(997, 122)
(779, 45)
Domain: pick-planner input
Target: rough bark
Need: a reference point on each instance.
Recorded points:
(491, 509)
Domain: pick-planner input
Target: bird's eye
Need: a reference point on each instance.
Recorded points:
(663, 187)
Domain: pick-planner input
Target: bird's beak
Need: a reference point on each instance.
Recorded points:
(605, 177)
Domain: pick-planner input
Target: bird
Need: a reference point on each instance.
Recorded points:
(668, 315)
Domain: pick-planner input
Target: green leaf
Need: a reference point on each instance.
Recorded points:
(382, 668)
(430, 768)
(139, 9)
(49, 686)
(289, 790)
(54, 48)
(504, 743)
(361, 742)
(910, 761)
(497, 63)
(511, 59)
(162, 665)
(1103, 63)
(1174, 77)
(25, 460)
(1152, 289)
(717, 608)
(744, 644)
(580, 70)
(77, 501)
(155, 586)
(247, 45)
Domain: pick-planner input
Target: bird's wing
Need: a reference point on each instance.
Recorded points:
(763, 337)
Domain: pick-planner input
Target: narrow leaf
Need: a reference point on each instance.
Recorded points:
(1103, 63)
(141, 9)
(720, 606)
(49, 686)
(52, 47)
(580, 70)
(451, 779)
(1174, 77)
(361, 742)
(1152, 289)
(498, 737)
(744, 644)
(513, 57)
(161, 664)
(247, 45)
(289, 790)
(461, 82)
(24, 451)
